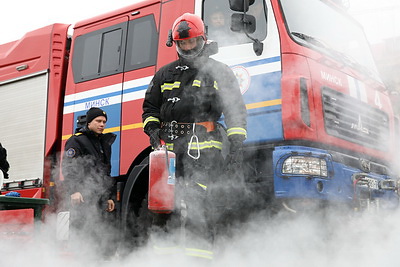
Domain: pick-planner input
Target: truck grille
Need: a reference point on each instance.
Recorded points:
(353, 120)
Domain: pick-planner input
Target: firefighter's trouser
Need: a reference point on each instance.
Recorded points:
(193, 217)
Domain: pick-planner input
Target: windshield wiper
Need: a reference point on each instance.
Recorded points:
(343, 58)
(310, 39)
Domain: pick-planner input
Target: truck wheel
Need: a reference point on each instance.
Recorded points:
(143, 223)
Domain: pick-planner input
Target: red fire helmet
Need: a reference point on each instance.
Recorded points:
(188, 26)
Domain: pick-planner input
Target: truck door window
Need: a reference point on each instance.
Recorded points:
(142, 43)
(110, 58)
(99, 53)
(217, 18)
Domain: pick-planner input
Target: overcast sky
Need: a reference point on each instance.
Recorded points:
(19, 17)
(380, 18)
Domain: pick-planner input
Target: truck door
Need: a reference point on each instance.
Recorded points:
(140, 66)
(98, 56)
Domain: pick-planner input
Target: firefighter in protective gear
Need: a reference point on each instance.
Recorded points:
(182, 105)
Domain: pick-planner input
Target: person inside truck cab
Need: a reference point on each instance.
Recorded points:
(182, 105)
(218, 17)
(217, 27)
(86, 170)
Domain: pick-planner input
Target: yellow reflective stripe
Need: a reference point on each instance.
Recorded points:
(193, 252)
(170, 86)
(196, 83)
(149, 119)
(170, 146)
(202, 186)
(237, 130)
(206, 144)
(166, 250)
(199, 253)
(201, 145)
(215, 85)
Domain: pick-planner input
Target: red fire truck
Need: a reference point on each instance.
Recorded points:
(320, 124)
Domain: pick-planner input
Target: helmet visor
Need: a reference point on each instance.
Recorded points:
(190, 48)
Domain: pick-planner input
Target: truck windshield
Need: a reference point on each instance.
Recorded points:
(325, 28)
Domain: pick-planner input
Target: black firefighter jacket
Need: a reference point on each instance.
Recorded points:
(186, 92)
(86, 165)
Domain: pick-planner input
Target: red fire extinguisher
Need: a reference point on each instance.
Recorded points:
(161, 197)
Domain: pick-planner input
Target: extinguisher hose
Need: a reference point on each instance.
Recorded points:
(164, 146)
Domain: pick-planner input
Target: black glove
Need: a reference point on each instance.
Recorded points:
(155, 139)
(152, 129)
(234, 159)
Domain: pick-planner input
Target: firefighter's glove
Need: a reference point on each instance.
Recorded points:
(234, 159)
(155, 139)
(153, 131)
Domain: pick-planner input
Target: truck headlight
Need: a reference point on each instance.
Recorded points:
(305, 166)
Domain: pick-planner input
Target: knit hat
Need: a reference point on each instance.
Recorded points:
(93, 113)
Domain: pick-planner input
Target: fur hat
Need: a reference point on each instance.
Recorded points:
(93, 113)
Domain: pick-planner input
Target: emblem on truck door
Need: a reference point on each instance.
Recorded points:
(243, 77)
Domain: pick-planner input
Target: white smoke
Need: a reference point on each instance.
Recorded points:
(325, 239)
(379, 19)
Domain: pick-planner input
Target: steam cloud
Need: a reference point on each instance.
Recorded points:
(325, 239)
(329, 238)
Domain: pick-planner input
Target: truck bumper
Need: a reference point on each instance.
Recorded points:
(315, 174)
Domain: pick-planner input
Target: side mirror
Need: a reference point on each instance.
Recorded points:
(240, 5)
(243, 23)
